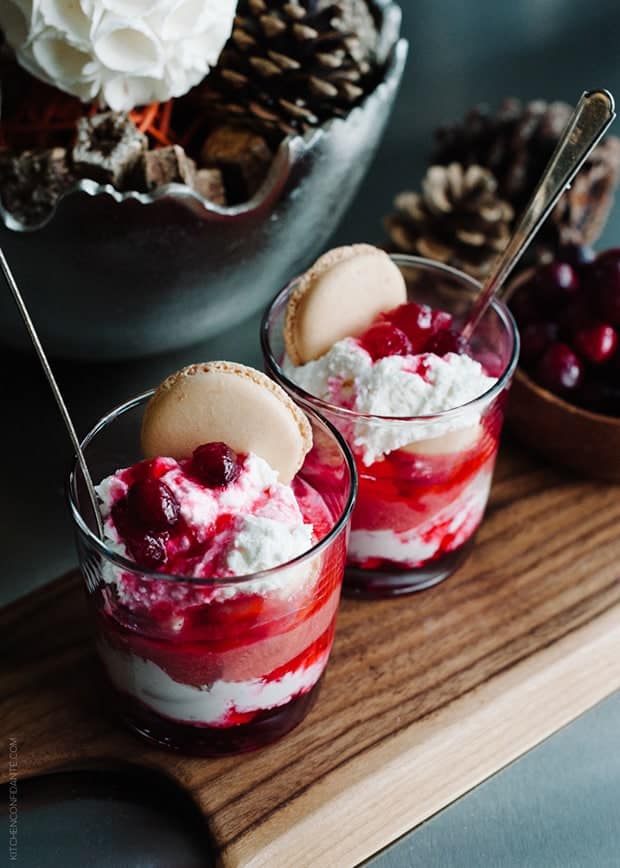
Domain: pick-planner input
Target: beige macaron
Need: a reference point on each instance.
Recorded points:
(338, 297)
(452, 442)
(228, 402)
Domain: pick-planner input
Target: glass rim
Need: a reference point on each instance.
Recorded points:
(306, 398)
(131, 566)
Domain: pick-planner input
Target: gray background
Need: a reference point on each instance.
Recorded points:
(559, 805)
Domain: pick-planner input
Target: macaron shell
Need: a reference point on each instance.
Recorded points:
(452, 442)
(339, 297)
(223, 401)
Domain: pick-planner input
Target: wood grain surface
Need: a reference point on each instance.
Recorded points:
(424, 697)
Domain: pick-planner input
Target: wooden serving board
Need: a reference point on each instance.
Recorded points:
(425, 696)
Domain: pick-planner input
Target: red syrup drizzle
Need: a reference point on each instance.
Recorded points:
(405, 490)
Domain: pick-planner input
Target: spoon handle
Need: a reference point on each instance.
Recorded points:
(34, 337)
(591, 118)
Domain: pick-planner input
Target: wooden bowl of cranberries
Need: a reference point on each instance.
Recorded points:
(565, 400)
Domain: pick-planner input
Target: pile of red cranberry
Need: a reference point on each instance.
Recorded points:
(568, 314)
(149, 514)
(412, 328)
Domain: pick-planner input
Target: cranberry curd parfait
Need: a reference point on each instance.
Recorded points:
(216, 605)
(421, 410)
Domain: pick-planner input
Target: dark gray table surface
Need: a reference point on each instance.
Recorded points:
(557, 806)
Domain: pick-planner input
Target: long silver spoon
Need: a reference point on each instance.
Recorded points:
(594, 113)
(32, 332)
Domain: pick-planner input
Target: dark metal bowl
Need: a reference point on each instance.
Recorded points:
(119, 275)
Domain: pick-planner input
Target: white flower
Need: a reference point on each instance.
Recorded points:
(128, 46)
(122, 52)
(68, 18)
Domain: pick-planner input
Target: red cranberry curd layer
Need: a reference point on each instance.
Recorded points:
(423, 482)
(215, 654)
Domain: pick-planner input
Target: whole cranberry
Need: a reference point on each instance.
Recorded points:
(612, 403)
(385, 339)
(419, 322)
(440, 320)
(559, 368)
(574, 316)
(216, 464)
(121, 518)
(524, 306)
(611, 369)
(148, 550)
(596, 342)
(576, 255)
(448, 341)
(557, 283)
(605, 284)
(610, 255)
(152, 505)
(590, 395)
(492, 363)
(535, 338)
(600, 397)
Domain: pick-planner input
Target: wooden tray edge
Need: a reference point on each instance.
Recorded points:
(488, 729)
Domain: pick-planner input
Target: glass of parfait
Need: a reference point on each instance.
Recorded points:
(424, 480)
(215, 666)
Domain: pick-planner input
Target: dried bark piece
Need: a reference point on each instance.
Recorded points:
(242, 156)
(108, 147)
(210, 184)
(162, 166)
(32, 182)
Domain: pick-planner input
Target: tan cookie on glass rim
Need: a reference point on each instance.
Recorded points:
(228, 402)
(338, 297)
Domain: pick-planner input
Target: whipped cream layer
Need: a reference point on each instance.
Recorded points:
(253, 524)
(210, 704)
(445, 531)
(395, 386)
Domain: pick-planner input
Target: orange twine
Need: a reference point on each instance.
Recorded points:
(154, 120)
(45, 116)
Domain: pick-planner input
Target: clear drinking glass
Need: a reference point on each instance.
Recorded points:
(418, 508)
(214, 666)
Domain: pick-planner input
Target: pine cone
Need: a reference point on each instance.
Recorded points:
(515, 144)
(581, 214)
(458, 219)
(292, 64)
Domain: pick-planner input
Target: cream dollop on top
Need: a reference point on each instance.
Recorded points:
(122, 52)
(266, 529)
(394, 386)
